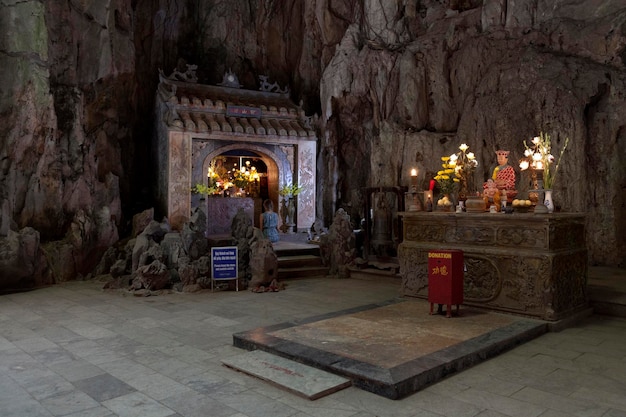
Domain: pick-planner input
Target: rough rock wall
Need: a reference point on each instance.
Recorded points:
(397, 83)
(414, 80)
(401, 83)
(76, 103)
(288, 40)
(65, 113)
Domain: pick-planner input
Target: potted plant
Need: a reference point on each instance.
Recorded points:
(205, 190)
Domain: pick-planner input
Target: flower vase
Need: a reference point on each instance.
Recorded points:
(291, 215)
(283, 215)
(548, 202)
(463, 193)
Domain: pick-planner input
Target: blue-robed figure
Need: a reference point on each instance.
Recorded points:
(269, 222)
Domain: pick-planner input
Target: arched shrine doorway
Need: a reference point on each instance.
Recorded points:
(226, 162)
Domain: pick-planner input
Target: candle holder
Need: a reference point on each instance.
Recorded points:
(540, 208)
(413, 202)
(428, 200)
(414, 180)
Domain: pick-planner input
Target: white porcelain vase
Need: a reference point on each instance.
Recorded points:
(548, 201)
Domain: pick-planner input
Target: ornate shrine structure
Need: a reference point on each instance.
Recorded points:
(527, 264)
(197, 123)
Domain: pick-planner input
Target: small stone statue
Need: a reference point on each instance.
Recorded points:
(338, 246)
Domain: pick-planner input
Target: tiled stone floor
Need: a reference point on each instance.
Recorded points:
(76, 350)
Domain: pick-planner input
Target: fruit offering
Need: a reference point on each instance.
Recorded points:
(521, 203)
(444, 201)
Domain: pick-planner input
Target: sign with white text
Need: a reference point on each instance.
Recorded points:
(224, 263)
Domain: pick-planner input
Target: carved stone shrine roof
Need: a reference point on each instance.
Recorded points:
(204, 108)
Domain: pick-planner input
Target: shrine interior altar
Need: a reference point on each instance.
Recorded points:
(221, 211)
(533, 265)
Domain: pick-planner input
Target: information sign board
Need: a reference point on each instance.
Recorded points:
(224, 264)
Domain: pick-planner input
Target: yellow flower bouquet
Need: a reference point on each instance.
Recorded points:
(447, 178)
(290, 190)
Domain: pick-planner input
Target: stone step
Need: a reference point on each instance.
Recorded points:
(376, 268)
(313, 250)
(302, 272)
(297, 378)
(299, 261)
(372, 275)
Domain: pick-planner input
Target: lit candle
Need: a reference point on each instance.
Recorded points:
(414, 172)
(414, 180)
(428, 200)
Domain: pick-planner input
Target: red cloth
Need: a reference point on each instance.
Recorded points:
(505, 178)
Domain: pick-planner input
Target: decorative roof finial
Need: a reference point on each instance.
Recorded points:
(230, 80)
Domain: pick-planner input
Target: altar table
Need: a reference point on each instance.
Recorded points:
(528, 264)
(221, 211)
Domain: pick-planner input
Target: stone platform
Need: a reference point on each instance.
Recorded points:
(394, 349)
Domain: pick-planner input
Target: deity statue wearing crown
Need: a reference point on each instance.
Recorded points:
(502, 181)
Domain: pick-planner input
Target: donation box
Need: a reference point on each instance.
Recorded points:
(445, 279)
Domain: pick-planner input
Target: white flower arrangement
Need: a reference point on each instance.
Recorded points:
(539, 157)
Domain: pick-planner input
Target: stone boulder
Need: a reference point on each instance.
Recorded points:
(195, 275)
(338, 246)
(263, 261)
(157, 258)
(188, 273)
(146, 247)
(119, 268)
(242, 231)
(193, 234)
(141, 221)
(173, 249)
(22, 261)
(152, 277)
